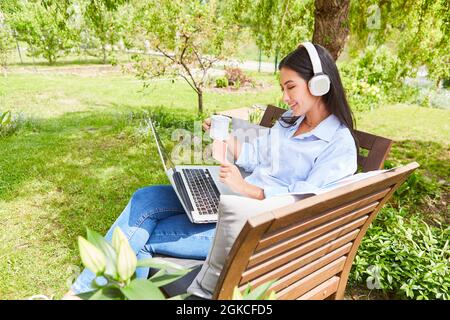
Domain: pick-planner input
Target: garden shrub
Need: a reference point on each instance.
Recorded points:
(10, 123)
(222, 82)
(405, 255)
(236, 77)
(374, 77)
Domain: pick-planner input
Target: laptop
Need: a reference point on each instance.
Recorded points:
(197, 186)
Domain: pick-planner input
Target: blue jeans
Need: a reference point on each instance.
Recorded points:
(154, 221)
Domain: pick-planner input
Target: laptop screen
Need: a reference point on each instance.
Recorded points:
(167, 163)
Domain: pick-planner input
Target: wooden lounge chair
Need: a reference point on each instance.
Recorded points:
(308, 246)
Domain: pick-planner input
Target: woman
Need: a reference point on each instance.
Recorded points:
(312, 145)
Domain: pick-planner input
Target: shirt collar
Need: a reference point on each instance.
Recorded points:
(325, 130)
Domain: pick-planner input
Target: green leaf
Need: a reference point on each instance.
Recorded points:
(157, 263)
(180, 296)
(6, 118)
(236, 294)
(109, 252)
(141, 289)
(108, 293)
(164, 279)
(259, 292)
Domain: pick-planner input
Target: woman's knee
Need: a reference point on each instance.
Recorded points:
(150, 192)
(150, 200)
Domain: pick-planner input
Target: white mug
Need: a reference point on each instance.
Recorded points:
(219, 127)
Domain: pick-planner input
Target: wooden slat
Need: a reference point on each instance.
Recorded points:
(297, 234)
(289, 256)
(322, 291)
(278, 256)
(305, 271)
(315, 219)
(311, 281)
(307, 260)
(361, 160)
(308, 235)
(365, 140)
(378, 154)
(263, 269)
(313, 206)
(271, 114)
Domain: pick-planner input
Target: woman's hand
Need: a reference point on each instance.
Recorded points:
(206, 125)
(230, 175)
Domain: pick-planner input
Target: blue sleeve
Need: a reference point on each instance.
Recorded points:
(337, 161)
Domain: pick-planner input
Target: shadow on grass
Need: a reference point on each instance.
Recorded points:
(92, 162)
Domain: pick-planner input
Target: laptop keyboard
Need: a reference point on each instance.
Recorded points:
(203, 189)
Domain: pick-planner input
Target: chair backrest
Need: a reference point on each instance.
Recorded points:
(308, 247)
(377, 147)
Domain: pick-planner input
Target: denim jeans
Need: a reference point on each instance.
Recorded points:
(154, 221)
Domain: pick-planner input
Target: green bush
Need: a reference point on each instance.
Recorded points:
(10, 123)
(374, 77)
(416, 190)
(236, 77)
(221, 82)
(405, 255)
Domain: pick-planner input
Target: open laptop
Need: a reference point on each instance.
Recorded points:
(198, 187)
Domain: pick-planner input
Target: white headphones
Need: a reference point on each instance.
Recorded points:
(320, 82)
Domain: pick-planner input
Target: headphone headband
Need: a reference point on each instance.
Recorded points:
(314, 56)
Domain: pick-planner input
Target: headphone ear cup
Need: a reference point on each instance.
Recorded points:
(319, 85)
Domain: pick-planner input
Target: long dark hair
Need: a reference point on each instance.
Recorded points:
(335, 100)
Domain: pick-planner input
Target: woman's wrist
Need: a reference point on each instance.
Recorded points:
(234, 146)
(253, 191)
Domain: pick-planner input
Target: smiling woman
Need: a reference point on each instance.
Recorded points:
(297, 76)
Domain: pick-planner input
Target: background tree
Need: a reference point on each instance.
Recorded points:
(6, 42)
(190, 35)
(416, 31)
(42, 25)
(106, 21)
(276, 25)
(331, 27)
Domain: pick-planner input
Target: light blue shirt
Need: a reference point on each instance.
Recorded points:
(281, 163)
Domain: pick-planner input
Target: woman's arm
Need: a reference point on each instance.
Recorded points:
(234, 146)
(230, 175)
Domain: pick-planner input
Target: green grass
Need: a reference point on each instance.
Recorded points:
(79, 157)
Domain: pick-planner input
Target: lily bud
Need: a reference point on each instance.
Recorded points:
(91, 256)
(126, 261)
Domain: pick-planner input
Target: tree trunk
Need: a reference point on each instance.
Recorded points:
(331, 25)
(200, 100)
(104, 53)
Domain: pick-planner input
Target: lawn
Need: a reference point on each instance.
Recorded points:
(81, 154)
